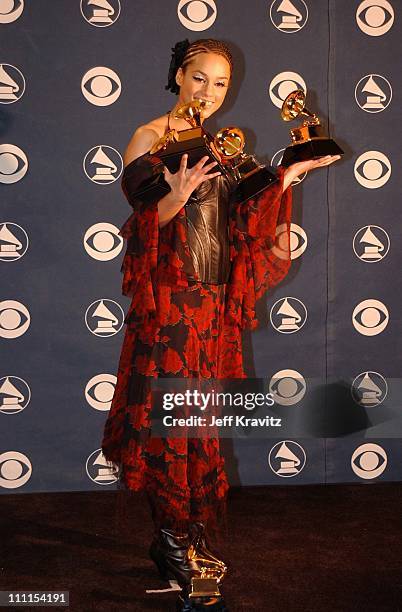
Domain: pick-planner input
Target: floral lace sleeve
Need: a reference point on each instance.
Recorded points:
(156, 258)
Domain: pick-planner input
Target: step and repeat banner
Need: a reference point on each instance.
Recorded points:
(76, 79)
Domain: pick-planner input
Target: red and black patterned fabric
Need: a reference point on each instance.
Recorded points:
(176, 327)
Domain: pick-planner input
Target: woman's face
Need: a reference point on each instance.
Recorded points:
(206, 77)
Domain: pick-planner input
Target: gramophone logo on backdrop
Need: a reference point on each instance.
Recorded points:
(12, 84)
(102, 241)
(13, 164)
(13, 241)
(369, 389)
(101, 86)
(99, 470)
(104, 318)
(10, 10)
(371, 243)
(103, 165)
(282, 84)
(369, 461)
(370, 317)
(277, 160)
(287, 16)
(287, 458)
(99, 391)
(372, 169)
(197, 15)
(288, 315)
(14, 319)
(15, 394)
(375, 17)
(15, 470)
(100, 13)
(287, 387)
(373, 93)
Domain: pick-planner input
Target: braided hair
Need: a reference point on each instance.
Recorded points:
(183, 53)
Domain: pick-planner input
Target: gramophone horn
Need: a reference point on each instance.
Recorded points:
(293, 105)
(190, 112)
(229, 142)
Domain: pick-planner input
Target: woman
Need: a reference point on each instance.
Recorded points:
(194, 286)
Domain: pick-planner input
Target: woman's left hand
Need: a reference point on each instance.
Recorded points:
(299, 168)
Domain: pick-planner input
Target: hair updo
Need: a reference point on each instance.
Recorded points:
(183, 53)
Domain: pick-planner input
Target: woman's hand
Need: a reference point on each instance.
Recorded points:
(185, 180)
(299, 168)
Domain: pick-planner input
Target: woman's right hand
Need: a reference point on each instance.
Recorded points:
(185, 180)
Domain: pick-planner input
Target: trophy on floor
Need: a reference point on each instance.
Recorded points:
(204, 588)
(308, 142)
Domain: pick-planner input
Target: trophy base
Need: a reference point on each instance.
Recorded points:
(152, 189)
(251, 185)
(194, 142)
(200, 604)
(316, 147)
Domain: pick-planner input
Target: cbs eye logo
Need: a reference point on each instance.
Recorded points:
(99, 391)
(287, 387)
(104, 14)
(13, 164)
(15, 470)
(282, 84)
(14, 319)
(369, 461)
(197, 15)
(372, 169)
(284, 240)
(12, 84)
(375, 17)
(10, 10)
(103, 242)
(370, 317)
(101, 86)
(297, 243)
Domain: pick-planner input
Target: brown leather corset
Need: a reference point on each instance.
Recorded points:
(207, 212)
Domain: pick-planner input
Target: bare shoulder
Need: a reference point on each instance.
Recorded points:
(143, 139)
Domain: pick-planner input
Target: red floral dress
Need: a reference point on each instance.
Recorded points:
(176, 327)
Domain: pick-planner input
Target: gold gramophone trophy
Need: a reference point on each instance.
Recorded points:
(307, 140)
(195, 141)
(251, 176)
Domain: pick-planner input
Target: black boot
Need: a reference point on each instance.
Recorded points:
(169, 552)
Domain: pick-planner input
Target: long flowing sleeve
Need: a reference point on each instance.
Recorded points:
(156, 259)
(260, 249)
